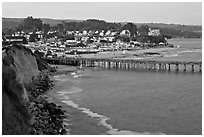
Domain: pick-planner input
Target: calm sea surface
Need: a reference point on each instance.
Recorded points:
(187, 43)
(136, 102)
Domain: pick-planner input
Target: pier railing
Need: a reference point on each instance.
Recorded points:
(129, 64)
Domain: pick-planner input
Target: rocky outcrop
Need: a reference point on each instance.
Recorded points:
(25, 110)
(18, 68)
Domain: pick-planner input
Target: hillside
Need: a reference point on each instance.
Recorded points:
(24, 109)
(11, 23)
(193, 28)
(53, 22)
(172, 30)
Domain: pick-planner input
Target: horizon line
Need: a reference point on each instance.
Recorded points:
(105, 20)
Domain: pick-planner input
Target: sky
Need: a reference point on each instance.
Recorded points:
(188, 13)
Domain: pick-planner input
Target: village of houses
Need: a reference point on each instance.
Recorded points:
(99, 41)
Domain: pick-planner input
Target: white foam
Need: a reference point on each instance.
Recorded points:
(103, 120)
(61, 80)
(72, 91)
(172, 55)
(59, 75)
(188, 51)
(64, 97)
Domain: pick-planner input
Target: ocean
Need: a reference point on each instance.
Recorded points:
(133, 102)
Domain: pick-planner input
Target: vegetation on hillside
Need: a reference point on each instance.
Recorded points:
(169, 30)
(25, 109)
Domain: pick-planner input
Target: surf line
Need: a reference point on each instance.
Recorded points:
(103, 119)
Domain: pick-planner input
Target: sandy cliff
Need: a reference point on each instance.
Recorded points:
(19, 66)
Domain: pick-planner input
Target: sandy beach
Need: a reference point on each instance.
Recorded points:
(119, 54)
(165, 53)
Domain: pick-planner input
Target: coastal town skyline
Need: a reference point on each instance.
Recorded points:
(186, 13)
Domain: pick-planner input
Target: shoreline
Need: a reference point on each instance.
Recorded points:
(83, 121)
(76, 122)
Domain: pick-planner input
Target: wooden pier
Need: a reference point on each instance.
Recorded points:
(129, 64)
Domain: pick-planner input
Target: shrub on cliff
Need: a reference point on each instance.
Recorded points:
(39, 85)
(48, 117)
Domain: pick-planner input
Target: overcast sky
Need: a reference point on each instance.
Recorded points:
(137, 12)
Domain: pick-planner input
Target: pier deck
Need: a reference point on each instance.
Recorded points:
(128, 63)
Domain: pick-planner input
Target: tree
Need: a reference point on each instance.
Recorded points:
(33, 37)
(60, 27)
(124, 38)
(156, 39)
(143, 30)
(46, 29)
(7, 31)
(132, 28)
(38, 53)
(143, 39)
(90, 24)
(30, 24)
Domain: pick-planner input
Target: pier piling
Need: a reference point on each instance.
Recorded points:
(128, 64)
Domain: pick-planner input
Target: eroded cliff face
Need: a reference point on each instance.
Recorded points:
(19, 67)
(24, 62)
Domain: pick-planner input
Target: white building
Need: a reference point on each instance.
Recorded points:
(108, 33)
(85, 32)
(101, 33)
(125, 32)
(154, 32)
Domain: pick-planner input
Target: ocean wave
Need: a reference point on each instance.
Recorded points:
(171, 55)
(61, 80)
(178, 53)
(59, 75)
(192, 50)
(102, 119)
(71, 91)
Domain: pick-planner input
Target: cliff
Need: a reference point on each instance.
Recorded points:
(19, 67)
(25, 80)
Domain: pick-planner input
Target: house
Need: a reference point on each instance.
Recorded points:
(115, 33)
(84, 32)
(39, 34)
(154, 32)
(91, 32)
(108, 33)
(110, 39)
(125, 32)
(15, 40)
(101, 33)
(71, 43)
